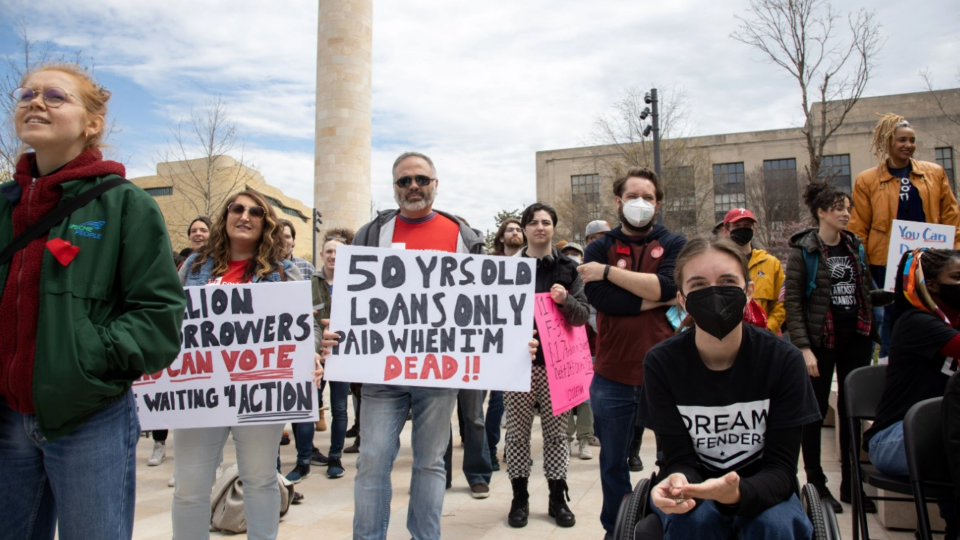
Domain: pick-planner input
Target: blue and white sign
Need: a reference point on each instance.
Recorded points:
(908, 235)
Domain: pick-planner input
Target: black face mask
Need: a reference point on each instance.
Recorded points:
(717, 310)
(741, 236)
(950, 294)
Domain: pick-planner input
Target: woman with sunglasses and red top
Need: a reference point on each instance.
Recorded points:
(88, 306)
(245, 246)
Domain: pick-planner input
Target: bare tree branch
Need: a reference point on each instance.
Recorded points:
(194, 163)
(800, 36)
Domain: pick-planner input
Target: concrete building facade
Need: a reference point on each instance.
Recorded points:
(343, 122)
(756, 169)
(178, 191)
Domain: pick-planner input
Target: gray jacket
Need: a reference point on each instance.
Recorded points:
(379, 233)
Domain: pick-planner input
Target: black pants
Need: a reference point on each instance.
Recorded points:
(851, 351)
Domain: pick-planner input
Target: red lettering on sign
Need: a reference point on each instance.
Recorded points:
(392, 369)
(283, 355)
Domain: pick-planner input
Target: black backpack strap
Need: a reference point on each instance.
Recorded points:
(58, 215)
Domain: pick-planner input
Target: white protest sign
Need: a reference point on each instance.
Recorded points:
(427, 318)
(908, 235)
(246, 357)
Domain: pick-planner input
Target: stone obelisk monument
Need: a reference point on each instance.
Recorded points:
(341, 189)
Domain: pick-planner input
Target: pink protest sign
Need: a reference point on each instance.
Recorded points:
(566, 354)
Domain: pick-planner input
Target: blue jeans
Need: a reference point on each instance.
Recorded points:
(784, 521)
(614, 415)
(382, 417)
(303, 439)
(338, 417)
(199, 452)
(492, 421)
(85, 480)
(476, 454)
(887, 451)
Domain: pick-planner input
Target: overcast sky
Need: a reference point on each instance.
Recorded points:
(478, 86)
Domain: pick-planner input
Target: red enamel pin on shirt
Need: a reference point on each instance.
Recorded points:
(656, 252)
(62, 250)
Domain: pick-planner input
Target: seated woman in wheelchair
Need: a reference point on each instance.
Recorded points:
(728, 402)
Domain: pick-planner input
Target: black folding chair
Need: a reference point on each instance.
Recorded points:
(926, 460)
(863, 388)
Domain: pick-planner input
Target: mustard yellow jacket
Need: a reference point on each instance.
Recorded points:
(876, 197)
(766, 272)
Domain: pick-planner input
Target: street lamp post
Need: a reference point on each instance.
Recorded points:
(650, 98)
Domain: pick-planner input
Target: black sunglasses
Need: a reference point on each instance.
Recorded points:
(254, 211)
(405, 181)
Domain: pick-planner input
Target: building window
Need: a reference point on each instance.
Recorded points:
(284, 209)
(585, 187)
(729, 189)
(836, 171)
(159, 191)
(680, 200)
(780, 189)
(945, 159)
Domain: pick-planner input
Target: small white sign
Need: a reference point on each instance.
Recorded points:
(246, 357)
(908, 235)
(428, 318)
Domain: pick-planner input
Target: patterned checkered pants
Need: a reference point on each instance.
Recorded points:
(519, 406)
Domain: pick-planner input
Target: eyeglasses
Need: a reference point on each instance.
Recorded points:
(405, 181)
(337, 238)
(513, 229)
(53, 97)
(254, 211)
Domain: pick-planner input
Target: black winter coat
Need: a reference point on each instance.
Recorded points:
(806, 317)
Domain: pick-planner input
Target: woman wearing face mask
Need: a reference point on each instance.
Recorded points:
(923, 349)
(899, 187)
(725, 472)
(829, 316)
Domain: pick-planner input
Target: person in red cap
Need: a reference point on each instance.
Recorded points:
(766, 271)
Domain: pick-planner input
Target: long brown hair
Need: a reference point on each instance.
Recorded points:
(269, 249)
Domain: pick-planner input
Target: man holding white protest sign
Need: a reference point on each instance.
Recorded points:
(557, 275)
(409, 334)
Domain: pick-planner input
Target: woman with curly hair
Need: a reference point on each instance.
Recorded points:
(89, 306)
(245, 246)
(899, 187)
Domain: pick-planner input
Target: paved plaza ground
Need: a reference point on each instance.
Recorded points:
(327, 511)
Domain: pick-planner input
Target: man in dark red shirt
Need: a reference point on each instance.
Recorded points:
(628, 276)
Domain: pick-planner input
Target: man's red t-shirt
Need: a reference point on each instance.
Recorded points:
(433, 232)
(234, 273)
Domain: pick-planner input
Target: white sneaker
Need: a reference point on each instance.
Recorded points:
(585, 452)
(159, 454)
(574, 449)
(172, 482)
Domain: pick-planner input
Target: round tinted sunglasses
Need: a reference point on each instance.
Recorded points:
(53, 97)
(405, 181)
(254, 211)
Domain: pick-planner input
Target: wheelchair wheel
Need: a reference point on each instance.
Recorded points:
(813, 508)
(631, 510)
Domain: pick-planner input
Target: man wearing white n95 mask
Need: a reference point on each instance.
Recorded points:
(628, 277)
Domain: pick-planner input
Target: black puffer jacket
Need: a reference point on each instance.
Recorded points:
(806, 317)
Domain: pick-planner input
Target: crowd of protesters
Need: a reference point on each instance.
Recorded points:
(664, 318)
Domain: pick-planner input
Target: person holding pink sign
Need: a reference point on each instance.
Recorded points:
(557, 275)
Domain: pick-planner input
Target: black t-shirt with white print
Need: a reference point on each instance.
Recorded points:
(747, 418)
(843, 281)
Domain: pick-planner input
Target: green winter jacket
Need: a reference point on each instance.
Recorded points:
(111, 315)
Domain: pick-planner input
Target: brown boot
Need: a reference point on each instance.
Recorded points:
(355, 448)
(322, 422)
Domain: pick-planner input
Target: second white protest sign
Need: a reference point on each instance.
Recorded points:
(425, 318)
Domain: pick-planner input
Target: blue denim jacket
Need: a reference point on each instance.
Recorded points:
(202, 276)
